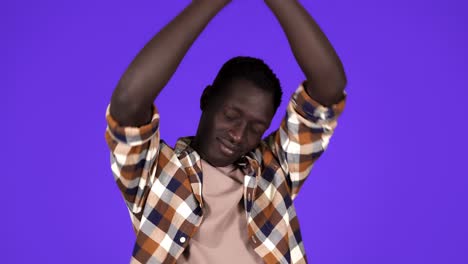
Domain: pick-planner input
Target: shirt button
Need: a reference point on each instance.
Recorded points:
(248, 197)
(182, 239)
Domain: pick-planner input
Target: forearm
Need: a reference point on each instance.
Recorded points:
(154, 65)
(314, 53)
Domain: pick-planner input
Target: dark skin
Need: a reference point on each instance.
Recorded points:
(216, 137)
(233, 124)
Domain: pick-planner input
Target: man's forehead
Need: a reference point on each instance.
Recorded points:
(261, 115)
(256, 104)
(244, 89)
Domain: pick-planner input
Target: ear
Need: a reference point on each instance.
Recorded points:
(206, 95)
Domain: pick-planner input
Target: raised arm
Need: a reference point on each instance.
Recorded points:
(154, 65)
(314, 53)
(312, 113)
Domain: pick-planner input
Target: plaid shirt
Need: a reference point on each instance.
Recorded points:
(162, 186)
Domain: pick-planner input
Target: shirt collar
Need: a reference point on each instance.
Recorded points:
(247, 161)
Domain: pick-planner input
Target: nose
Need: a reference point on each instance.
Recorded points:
(236, 133)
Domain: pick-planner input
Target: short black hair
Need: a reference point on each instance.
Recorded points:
(251, 69)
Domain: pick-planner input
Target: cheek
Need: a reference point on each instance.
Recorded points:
(207, 126)
(252, 141)
(219, 124)
(210, 130)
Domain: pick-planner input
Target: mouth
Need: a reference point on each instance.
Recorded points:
(226, 147)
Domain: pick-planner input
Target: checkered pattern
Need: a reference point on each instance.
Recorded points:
(162, 185)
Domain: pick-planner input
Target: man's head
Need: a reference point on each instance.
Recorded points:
(236, 110)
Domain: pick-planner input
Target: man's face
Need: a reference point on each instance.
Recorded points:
(233, 123)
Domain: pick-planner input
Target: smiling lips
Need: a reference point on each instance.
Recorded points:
(226, 147)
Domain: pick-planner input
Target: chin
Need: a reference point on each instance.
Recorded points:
(216, 157)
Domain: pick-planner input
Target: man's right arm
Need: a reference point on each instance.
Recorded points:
(149, 72)
(132, 132)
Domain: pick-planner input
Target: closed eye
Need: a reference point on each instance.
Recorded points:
(259, 129)
(231, 115)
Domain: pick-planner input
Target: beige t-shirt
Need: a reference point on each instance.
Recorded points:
(222, 235)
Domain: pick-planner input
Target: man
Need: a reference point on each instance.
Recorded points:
(224, 195)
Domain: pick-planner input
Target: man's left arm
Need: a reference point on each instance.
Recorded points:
(315, 55)
(312, 113)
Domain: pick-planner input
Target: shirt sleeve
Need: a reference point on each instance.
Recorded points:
(133, 152)
(303, 136)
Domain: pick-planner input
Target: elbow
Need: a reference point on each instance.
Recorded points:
(336, 91)
(336, 85)
(338, 76)
(327, 90)
(122, 99)
(126, 110)
(340, 83)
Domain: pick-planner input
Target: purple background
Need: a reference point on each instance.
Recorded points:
(392, 187)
